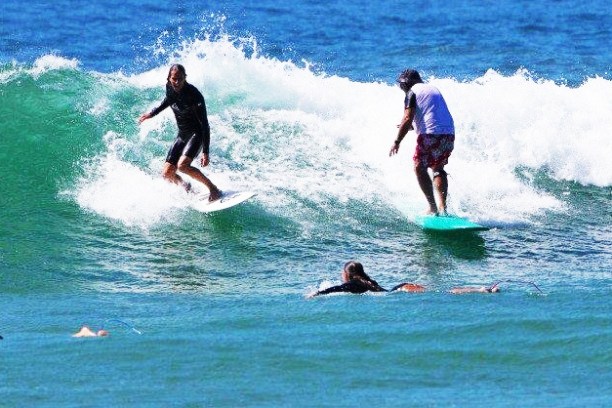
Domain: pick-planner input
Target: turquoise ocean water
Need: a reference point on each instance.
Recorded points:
(212, 310)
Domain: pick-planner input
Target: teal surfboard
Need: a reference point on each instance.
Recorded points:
(447, 223)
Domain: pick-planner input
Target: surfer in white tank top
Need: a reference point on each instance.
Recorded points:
(426, 112)
(431, 115)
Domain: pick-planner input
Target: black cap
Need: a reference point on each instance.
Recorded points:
(408, 78)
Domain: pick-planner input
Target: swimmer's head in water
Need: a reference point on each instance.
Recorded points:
(353, 270)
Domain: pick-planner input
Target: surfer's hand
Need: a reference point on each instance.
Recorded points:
(144, 117)
(394, 149)
(204, 160)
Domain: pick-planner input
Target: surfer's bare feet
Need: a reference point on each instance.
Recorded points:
(432, 211)
(214, 195)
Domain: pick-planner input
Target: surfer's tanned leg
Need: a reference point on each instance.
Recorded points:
(184, 166)
(169, 173)
(426, 186)
(440, 183)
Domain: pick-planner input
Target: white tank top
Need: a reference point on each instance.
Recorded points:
(431, 114)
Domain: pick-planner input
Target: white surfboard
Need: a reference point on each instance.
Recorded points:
(227, 200)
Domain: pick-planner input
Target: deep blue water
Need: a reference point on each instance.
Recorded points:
(211, 310)
(560, 40)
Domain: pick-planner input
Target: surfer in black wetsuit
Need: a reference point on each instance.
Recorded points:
(189, 109)
(355, 280)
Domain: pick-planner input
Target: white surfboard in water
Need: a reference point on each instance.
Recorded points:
(227, 200)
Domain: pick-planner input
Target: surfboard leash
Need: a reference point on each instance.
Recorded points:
(129, 326)
(515, 281)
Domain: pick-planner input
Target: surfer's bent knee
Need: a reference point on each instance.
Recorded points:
(420, 168)
(439, 173)
(184, 164)
(169, 170)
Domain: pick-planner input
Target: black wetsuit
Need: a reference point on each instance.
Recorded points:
(352, 286)
(358, 286)
(189, 110)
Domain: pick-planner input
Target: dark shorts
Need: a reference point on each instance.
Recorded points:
(433, 150)
(184, 145)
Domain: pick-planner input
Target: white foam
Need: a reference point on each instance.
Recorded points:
(279, 128)
(51, 62)
(118, 190)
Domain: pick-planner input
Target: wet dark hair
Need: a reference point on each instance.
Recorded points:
(354, 270)
(408, 78)
(179, 68)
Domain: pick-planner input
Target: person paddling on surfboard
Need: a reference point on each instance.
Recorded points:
(87, 332)
(189, 109)
(355, 280)
(425, 110)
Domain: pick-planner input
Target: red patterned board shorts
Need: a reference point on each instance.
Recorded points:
(433, 150)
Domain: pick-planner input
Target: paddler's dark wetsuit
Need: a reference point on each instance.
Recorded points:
(352, 286)
(358, 286)
(193, 130)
